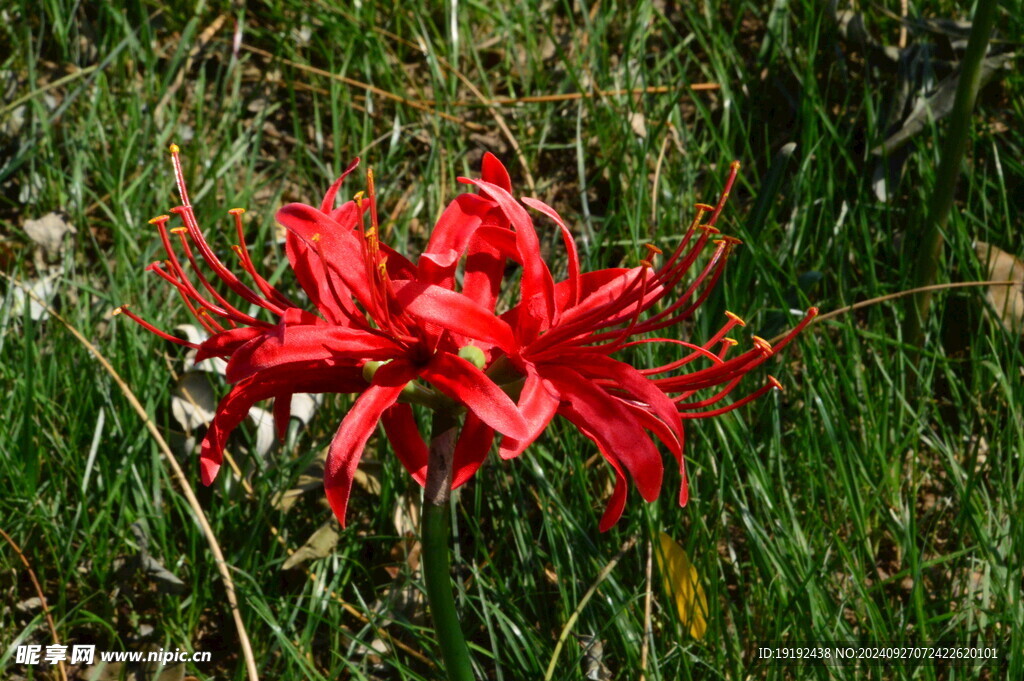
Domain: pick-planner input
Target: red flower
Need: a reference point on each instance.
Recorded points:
(566, 334)
(359, 340)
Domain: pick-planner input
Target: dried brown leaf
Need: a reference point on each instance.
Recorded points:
(319, 545)
(1007, 301)
(49, 231)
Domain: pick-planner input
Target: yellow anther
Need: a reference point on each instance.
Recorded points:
(202, 310)
(358, 198)
(762, 344)
(652, 249)
(382, 266)
(159, 219)
(710, 229)
(315, 238)
(730, 341)
(118, 310)
(179, 230)
(735, 165)
(237, 249)
(371, 233)
(732, 241)
(236, 211)
(704, 208)
(174, 148)
(775, 384)
(735, 317)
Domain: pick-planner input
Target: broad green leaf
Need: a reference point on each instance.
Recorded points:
(682, 584)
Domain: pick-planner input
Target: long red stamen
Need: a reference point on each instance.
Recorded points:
(186, 288)
(734, 168)
(179, 176)
(233, 314)
(715, 375)
(188, 215)
(152, 329)
(717, 397)
(698, 351)
(265, 288)
(226, 275)
(771, 385)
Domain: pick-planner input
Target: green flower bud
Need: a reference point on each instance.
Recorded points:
(369, 369)
(473, 355)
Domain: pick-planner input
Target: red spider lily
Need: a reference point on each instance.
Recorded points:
(360, 340)
(565, 334)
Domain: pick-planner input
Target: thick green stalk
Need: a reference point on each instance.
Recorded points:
(929, 245)
(434, 562)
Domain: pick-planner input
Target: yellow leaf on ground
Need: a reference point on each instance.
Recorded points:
(682, 583)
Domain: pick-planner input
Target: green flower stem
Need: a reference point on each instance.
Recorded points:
(435, 563)
(928, 245)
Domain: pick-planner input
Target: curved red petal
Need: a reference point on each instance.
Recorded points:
(538, 403)
(637, 385)
(457, 223)
(226, 342)
(405, 439)
(282, 415)
(463, 382)
(471, 450)
(337, 246)
(492, 170)
(537, 281)
(591, 409)
(455, 312)
(293, 344)
(347, 447)
(234, 407)
(570, 246)
(327, 205)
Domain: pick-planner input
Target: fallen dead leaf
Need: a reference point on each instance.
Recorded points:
(638, 123)
(320, 544)
(49, 231)
(682, 583)
(1007, 301)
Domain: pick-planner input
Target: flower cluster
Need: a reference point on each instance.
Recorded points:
(399, 333)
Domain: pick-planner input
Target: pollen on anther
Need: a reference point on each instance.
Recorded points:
(732, 241)
(652, 249)
(159, 219)
(236, 211)
(776, 384)
(735, 165)
(179, 230)
(730, 341)
(315, 238)
(735, 317)
(118, 310)
(174, 148)
(710, 229)
(704, 207)
(358, 198)
(762, 344)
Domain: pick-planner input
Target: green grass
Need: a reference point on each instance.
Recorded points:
(848, 508)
